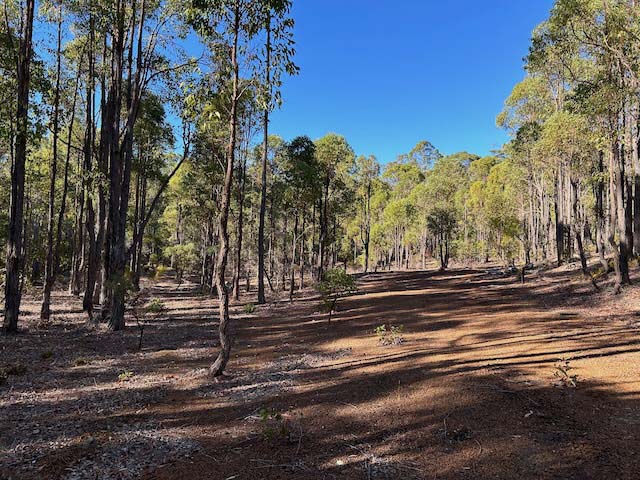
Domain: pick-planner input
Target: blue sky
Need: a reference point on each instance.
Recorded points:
(386, 74)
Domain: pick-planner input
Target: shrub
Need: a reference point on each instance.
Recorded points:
(125, 376)
(562, 372)
(273, 425)
(153, 310)
(155, 307)
(335, 284)
(161, 270)
(184, 258)
(249, 308)
(391, 335)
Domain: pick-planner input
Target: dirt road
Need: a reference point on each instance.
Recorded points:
(492, 380)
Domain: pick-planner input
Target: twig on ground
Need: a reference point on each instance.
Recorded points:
(299, 441)
(479, 446)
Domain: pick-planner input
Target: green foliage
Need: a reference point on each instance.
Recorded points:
(335, 284)
(249, 308)
(155, 307)
(389, 334)
(273, 425)
(161, 271)
(184, 257)
(125, 376)
(562, 372)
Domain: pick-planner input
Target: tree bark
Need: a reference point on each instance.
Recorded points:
(263, 173)
(241, 193)
(15, 253)
(45, 310)
(220, 363)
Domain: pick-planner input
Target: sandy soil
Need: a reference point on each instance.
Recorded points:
(476, 386)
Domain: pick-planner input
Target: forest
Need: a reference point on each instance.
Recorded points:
(189, 294)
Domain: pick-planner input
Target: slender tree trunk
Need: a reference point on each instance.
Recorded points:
(220, 363)
(103, 168)
(367, 231)
(559, 218)
(15, 253)
(578, 234)
(616, 217)
(292, 285)
(263, 174)
(140, 231)
(323, 229)
(65, 186)
(45, 310)
(241, 194)
(302, 252)
(82, 247)
(600, 215)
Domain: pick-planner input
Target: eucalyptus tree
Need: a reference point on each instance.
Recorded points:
(140, 33)
(19, 34)
(54, 227)
(277, 59)
(425, 154)
(301, 176)
(153, 136)
(336, 160)
(606, 37)
(366, 173)
(229, 27)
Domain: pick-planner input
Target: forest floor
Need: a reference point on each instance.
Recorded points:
(488, 379)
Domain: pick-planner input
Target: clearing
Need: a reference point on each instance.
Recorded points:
(487, 379)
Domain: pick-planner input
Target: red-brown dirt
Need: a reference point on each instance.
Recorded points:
(474, 390)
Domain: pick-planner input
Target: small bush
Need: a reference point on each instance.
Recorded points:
(161, 270)
(249, 308)
(335, 284)
(155, 307)
(562, 372)
(273, 425)
(125, 376)
(46, 355)
(391, 335)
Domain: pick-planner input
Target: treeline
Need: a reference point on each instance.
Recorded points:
(565, 187)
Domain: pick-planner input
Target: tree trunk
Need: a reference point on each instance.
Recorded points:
(263, 174)
(45, 310)
(112, 296)
(241, 193)
(15, 253)
(600, 215)
(120, 172)
(323, 229)
(220, 363)
(292, 285)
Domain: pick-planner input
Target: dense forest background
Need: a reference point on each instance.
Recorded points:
(123, 156)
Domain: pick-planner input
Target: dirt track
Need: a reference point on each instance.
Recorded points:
(470, 393)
